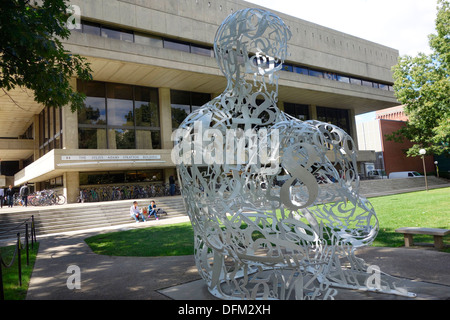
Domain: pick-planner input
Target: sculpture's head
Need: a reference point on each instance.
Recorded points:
(251, 41)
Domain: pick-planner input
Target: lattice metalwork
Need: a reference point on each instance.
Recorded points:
(273, 200)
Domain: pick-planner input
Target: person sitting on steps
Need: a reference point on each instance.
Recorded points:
(152, 209)
(135, 212)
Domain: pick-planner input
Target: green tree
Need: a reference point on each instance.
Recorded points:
(422, 85)
(32, 55)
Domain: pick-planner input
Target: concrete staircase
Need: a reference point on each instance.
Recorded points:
(79, 216)
(380, 187)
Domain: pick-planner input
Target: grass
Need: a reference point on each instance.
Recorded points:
(11, 288)
(417, 209)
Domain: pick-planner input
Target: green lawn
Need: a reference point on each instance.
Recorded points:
(425, 209)
(416, 209)
(12, 289)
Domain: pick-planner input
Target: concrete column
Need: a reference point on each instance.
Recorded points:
(36, 137)
(353, 132)
(70, 124)
(71, 182)
(169, 172)
(312, 112)
(165, 113)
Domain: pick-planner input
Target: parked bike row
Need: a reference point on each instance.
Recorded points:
(112, 193)
(46, 198)
(38, 198)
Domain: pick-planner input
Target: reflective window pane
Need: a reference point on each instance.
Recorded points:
(146, 107)
(121, 139)
(146, 139)
(301, 70)
(338, 117)
(91, 28)
(315, 73)
(91, 138)
(94, 110)
(208, 52)
(330, 75)
(199, 99)
(343, 79)
(179, 113)
(148, 40)
(299, 111)
(355, 81)
(287, 67)
(175, 45)
(120, 105)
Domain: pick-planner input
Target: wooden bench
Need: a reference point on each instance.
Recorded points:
(438, 235)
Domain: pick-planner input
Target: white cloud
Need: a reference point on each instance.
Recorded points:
(400, 24)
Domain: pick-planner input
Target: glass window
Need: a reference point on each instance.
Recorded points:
(355, 81)
(146, 107)
(146, 139)
(113, 112)
(367, 83)
(148, 40)
(91, 28)
(91, 138)
(343, 79)
(121, 139)
(301, 70)
(330, 75)
(338, 117)
(287, 67)
(175, 45)
(117, 34)
(94, 110)
(120, 105)
(181, 106)
(204, 51)
(199, 99)
(316, 73)
(110, 33)
(185, 102)
(179, 113)
(299, 111)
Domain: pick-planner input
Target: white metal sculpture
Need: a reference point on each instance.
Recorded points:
(273, 200)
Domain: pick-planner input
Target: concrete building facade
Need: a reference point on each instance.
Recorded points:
(153, 64)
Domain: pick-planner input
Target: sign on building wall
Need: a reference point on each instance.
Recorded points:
(110, 157)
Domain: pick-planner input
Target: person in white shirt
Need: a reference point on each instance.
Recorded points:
(136, 213)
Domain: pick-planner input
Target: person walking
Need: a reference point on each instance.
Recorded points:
(9, 196)
(2, 197)
(172, 185)
(23, 193)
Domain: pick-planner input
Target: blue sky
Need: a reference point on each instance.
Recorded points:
(400, 24)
